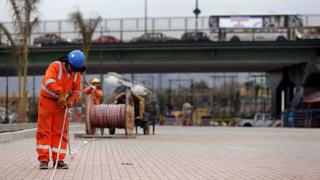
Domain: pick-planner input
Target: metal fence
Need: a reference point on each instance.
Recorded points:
(301, 118)
(128, 28)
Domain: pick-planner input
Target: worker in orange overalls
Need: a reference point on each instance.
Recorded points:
(96, 91)
(60, 89)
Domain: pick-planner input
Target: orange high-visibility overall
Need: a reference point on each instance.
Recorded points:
(50, 116)
(96, 94)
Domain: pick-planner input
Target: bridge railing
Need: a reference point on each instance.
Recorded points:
(124, 29)
(128, 28)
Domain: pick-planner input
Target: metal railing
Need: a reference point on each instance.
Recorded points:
(128, 28)
(301, 118)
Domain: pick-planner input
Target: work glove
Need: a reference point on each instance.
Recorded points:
(70, 102)
(62, 100)
(93, 87)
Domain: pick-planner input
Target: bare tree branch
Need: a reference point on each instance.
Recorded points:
(16, 14)
(93, 23)
(33, 24)
(8, 35)
(86, 28)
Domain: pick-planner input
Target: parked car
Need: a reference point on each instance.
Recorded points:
(106, 39)
(259, 120)
(194, 36)
(50, 39)
(12, 116)
(153, 37)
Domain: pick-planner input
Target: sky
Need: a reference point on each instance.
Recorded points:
(59, 9)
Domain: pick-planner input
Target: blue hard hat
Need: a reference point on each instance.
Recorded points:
(76, 60)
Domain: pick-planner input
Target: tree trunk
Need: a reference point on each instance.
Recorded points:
(23, 105)
(25, 83)
(19, 73)
(20, 89)
(84, 80)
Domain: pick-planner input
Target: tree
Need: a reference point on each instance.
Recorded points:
(24, 18)
(86, 29)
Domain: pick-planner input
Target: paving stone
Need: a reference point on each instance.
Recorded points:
(178, 153)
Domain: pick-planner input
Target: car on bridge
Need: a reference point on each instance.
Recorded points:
(51, 39)
(312, 33)
(106, 39)
(195, 36)
(153, 37)
(77, 41)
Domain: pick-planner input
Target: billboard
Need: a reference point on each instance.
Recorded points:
(240, 22)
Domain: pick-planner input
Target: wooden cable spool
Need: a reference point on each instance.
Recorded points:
(89, 129)
(110, 116)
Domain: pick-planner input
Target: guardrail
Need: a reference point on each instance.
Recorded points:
(128, 28)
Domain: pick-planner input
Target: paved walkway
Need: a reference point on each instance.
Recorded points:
(179, 153)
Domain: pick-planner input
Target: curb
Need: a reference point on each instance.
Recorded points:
(28, 133)
(16, 127)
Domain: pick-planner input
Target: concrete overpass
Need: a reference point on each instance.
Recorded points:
(176, 57)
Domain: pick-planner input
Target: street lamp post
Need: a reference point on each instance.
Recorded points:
(145, 16)
(196, 12)
(101, 32)
(169, 91)
(192, 91)
(7, 96)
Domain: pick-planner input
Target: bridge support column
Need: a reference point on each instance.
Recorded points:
(273, 80)
(288, 86)
(282, 83)
(296, 75)
(289, 95)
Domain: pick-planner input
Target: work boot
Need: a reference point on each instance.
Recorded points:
(43, 165)
(61, 165)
